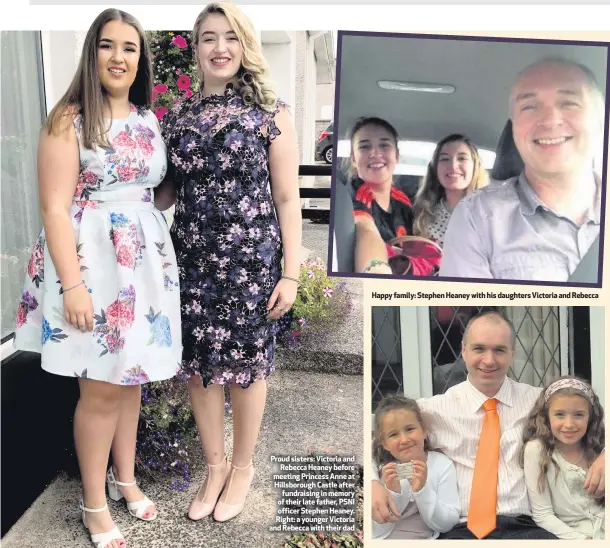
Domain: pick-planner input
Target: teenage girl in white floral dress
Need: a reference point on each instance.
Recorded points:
(101, 300)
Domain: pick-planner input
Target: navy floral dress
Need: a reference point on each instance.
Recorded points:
(226, 235)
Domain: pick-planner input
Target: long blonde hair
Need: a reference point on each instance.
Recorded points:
(431, 191)
(254, 82)
(86, 92)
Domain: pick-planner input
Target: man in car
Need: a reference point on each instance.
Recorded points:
(539, 224)
(455, 422)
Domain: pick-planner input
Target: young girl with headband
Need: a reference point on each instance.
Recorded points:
(564, 434)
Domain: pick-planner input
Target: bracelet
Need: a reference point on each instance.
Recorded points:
(73, 287)
(373, 263)
(291, 279)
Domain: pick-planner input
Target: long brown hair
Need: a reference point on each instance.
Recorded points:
(387, 404)
(86, 93)
(431, 191)
(538, 427)
(258, 87)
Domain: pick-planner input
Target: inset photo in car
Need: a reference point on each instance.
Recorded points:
(469, 158)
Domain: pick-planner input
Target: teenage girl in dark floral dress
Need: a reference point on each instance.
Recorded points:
(233, 153)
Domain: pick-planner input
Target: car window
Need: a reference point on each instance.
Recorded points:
(416, 155)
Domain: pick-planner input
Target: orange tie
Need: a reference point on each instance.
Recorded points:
(484, 494)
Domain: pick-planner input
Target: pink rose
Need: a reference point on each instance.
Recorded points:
(183, 82)
(120, 314)
(88, 177)
(160, 112)
(123, 140)
(126, 173)
(145, 146)
(87, 203)
(124, 256)
(36, 260)
(160, 88)
(154, 96)
(114, 344)
(80, 186)
(179, 41)
(189, 93)
(22, 315)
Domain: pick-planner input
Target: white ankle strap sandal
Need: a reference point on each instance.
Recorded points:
(138, 508)
(100, 540)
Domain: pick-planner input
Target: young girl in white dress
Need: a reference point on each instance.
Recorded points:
(563, 436)
(428, 498)
(101, 299)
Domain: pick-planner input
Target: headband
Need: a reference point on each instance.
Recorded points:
(576, 384)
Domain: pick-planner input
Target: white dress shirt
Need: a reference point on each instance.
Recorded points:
(454, 420)
(564, 508)
(437, 501)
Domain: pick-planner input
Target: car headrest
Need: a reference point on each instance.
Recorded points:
(508, 161)
(344, 228)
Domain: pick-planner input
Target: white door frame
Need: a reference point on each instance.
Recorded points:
(597, 334)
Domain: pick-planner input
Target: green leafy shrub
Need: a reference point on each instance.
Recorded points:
(325, 540)
(322, 304)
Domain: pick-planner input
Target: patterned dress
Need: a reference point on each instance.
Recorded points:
(398, 221)
(226, 235)
(127, 263)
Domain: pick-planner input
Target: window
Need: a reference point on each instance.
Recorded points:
(386, 352)
(21, 114)
(326, 112)
(416, 155)
(539, 348)
(414, 348)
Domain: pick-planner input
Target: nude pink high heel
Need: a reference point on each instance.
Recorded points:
(224, 511)
(200, 509)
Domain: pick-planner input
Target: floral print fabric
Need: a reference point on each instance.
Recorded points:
(226, 235)
(127, 262)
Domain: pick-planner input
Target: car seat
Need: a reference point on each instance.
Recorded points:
(343, 227)
(508, 162)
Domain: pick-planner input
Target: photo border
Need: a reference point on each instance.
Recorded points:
(335, 140)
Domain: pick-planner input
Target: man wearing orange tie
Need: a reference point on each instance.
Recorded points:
(479, 425)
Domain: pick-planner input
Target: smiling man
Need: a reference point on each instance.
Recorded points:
(540, 224)
(479, 425)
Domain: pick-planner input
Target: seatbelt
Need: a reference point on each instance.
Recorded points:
(587, 269)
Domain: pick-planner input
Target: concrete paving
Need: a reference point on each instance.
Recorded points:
(305, 412)
(315, 402)
(340, 350)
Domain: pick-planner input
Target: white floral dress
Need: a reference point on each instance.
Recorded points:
(127, 263)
